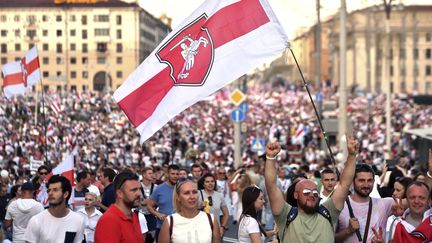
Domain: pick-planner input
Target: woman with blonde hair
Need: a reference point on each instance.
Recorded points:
(188, 224)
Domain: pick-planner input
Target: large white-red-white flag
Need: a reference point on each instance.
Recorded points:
(217, 43)
(19, 76)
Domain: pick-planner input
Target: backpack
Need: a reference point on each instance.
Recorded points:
(292, 214)
(171, 222)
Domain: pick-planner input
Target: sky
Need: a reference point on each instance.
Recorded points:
(293, 14)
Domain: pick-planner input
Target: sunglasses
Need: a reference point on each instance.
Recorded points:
(121, 178)
(43, 173)
(210, 199)
(182, 180)
(308, 192)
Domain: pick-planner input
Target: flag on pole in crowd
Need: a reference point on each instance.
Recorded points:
(216, 44)
(54, 104)
(20, 76)
(65, 168)
(299, 135)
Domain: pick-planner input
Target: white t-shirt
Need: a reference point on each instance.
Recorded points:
(45, 228)
(196, 229)
(381, 210)
(248, 225)
(20, 212)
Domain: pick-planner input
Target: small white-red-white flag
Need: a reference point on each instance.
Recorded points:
(18, 77)
(217, 43)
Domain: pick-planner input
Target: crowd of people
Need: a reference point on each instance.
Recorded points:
(181, 184)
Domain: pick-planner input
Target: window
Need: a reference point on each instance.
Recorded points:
(73, 47)
(72, 18)
(31, 19)
(3, 48)
(73, 33)
(119, 34)
(58, 18)
(118, 19)
(84, 87)
(17, 47)
(45, 47)
(415, 53)
(3, 18)
(31, 45)
(73, 74)
(17, 59)
(44, 18)
(84, 34)
(428, 87)
(59, 73)
(73, 60)
(84, 19)
(402, 53)
(3, 60)
(428, 37)
(3, 33)
(59, 60)
(84, 48)
(403, 86)
(428, 53)
(44, 32)
(101, 60)
(59, 48)
(84, 74)
(391, 70)
(119, 74)
(101, 32)
(45, 74)
(16, 18)
(59, 33)
(101, 47)
(18, 33)
(45, 60)
(101, 18)
(84, 60)
(119, 60)
(31, 33)
(428, 70)
(391, 54)
(119, 48)
(45, 87)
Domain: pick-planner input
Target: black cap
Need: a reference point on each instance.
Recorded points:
(28, 186)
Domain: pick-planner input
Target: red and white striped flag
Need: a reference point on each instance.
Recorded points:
(55, 105)
(217, 43)
(18, 77)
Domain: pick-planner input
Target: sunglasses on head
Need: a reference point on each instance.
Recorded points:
(123, 177)
(182, 180)
(308, 192)
(210, 199)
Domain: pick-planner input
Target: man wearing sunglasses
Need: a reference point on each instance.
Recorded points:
(309, 225)
(119, 224)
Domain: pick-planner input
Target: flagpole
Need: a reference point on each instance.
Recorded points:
(44, 124)
(316, 113)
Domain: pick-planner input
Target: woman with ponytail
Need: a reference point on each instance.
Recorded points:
(250, 230)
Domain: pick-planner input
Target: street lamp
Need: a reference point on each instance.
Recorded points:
(388, 8)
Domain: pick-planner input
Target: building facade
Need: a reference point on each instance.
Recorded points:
(82, 44)
(410, 49)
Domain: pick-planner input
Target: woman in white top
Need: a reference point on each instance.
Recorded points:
(91, 216)
(188, 225)
(250, 230)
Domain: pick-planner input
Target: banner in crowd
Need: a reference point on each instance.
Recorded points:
(216, 44)
(20, 76)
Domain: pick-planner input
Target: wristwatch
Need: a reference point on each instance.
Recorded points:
(225, 227)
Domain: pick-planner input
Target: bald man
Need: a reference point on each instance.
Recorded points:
(309, 222)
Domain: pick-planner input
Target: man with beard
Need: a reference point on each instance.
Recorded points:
(309, 224)
(57, 224)
(368, 212)
(119, 223)
(162, 197)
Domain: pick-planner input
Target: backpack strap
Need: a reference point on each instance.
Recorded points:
(171, 222)
(210, 221)
(292, 214)
(202, 196)
(325, 213)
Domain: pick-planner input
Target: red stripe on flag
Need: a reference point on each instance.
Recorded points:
(12, 79)
(236, 20)
(32, 65)
(141, 103)
(225, 25)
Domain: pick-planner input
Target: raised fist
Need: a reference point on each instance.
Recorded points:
(272, 149)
